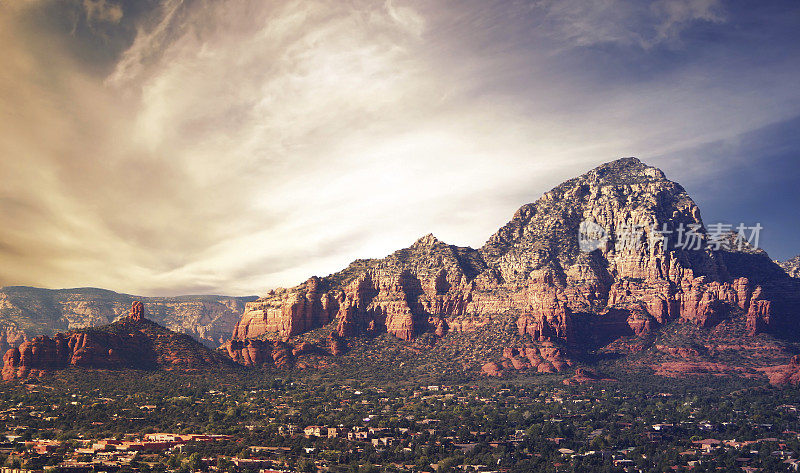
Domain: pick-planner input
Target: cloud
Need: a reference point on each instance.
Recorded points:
(100, 10)
(406, 17)
(625, 22)
(237, 145)
(148, 43)
(674, 15)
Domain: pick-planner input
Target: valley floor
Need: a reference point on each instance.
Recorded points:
(175, 421)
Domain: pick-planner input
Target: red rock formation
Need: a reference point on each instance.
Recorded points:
(249, 352)
(492, 369)
(785, 375)
(439, 326)
(584, 375)
(534, 269)
(34, 311)
(284, 313)
(280, 354)
(336, 345)
(758, 312)
(11, 337)
(133, 342)
(550, 318)
(545, 357)
(137, 311)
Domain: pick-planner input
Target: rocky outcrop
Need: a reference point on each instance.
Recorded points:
(585, 375)
(404, 294)
(550, 318)
(287, 312)
(546, 357)
(274, 353)
(785, 375)
(137, 311)
(336, 345)
(792, 266)
(492, 369)
(631, 279)
(132, 342)
(33, 311)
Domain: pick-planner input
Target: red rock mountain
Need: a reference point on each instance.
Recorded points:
(534, 270)
(131, 342)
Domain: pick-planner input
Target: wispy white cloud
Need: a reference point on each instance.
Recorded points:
(625, 22)
(238, 145)
(674, 15)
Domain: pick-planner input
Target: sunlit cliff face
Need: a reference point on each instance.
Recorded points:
(231, 146)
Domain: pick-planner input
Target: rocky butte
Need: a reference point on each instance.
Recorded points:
(563, 300)
(131, 342)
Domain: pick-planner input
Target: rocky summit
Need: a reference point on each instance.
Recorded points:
(792, 266)
(131, 342)
(565, 297)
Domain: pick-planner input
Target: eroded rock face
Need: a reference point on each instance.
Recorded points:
(133, 342)
(252, 352)
(404, 294)
(534, 269)
(287, 312)
(546, 357)
(550, 318)
(137, 311)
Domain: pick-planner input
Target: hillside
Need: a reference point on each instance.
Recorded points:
(132, 342)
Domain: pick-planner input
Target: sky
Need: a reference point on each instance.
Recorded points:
(163, 147)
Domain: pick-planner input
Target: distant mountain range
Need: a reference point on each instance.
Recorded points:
(26, 312)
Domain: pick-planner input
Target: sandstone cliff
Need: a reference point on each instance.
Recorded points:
(26, 312)
(534, 269)
(131, 342)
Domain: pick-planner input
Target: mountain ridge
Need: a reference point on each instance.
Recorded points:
(533, 270)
